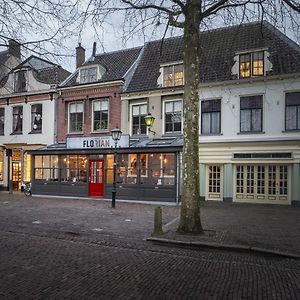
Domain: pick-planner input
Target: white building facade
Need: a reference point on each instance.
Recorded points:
(28, 117)
(249, 111)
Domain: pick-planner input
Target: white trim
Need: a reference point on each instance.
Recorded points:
(130, 114)
(108, 110)
(163, 116)
(76, 132)
(173, 73)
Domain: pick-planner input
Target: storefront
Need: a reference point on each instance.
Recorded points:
(83, 167)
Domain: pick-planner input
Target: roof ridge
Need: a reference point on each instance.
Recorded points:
(120, 50)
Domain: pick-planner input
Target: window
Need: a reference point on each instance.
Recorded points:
(88, 75)
(251, 64)
(20, 81)
(173, 116)
(251, 108)
(138, 119)
(74, 168)
(2, 119)
(292, 111)
(46, 167)
(36, 118)
(211, 116)
(173, 75)
(18, 119)
(1, 164)
(76, 117)
(100, 115)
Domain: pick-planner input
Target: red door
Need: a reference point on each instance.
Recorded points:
(96, 176)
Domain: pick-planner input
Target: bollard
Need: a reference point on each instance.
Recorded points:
(157, 221)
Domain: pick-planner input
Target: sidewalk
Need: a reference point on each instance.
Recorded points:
(244, 227)
(272, 229)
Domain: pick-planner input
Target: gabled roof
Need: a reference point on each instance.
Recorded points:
(116, 63)
(44, 71)
(218, 48)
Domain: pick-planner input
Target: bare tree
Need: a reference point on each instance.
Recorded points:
(40, 26)
(191, 16)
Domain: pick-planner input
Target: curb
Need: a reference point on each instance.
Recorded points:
(223, 246)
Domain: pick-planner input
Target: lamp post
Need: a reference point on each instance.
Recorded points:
(149, 120)
(116, 134)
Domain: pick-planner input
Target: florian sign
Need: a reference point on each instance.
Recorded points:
(96, 142)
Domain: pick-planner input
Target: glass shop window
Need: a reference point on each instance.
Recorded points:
(46, 167)
(74, 168)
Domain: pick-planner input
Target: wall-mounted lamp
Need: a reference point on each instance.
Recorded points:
(149, 120)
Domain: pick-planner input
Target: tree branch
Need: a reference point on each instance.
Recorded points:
(293, 5)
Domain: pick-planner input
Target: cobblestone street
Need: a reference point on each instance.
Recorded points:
(82, 249)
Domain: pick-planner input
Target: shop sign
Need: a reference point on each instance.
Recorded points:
(96, 142)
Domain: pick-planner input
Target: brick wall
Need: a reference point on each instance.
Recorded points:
(87, 96)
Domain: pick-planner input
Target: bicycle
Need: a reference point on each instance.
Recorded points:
(27, 189)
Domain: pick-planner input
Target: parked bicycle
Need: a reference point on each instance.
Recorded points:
(27, 188)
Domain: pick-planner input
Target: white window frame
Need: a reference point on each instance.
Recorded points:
(262, 115)
(77, 132)
(31, 121)
(108, 110)
(87, 68)
(251, 52)
(172, 65)
(131, 115)
(164, 116)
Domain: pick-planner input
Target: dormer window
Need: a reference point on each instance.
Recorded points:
(251, 64)
(88, 75)
(173, 75)
(20, 81)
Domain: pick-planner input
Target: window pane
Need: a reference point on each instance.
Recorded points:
(104, 105)
(169, 106)
(210, 105)
(245, 120)
(178, 74)
(291, 117)
(79, 107)
(245, 62)
(168, 76)
(258, 63)
(205, 123)
(215, 122)
(36, 117)
(46, 161)
(256, 120)
(96, 105)
(251, 102)
(293, 98)
(18, 119)
(135, 110)
(178, 106)
(143, 109)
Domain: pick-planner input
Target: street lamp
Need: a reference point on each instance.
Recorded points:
(116, 134)
(149, 120)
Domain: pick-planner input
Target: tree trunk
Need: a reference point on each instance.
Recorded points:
(190, 207)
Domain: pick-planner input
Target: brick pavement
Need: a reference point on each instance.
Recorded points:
(271, 227)
(72, 249)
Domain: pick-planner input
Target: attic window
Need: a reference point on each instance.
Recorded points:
(173, 75)
(20, 81)
(251, 64)
(88, 75)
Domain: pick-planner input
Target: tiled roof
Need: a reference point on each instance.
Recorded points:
(116, 63)
(218, 48)
(53, 75)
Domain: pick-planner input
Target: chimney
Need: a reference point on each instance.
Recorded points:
(94, 49)
(80, 55)
(14, 48)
